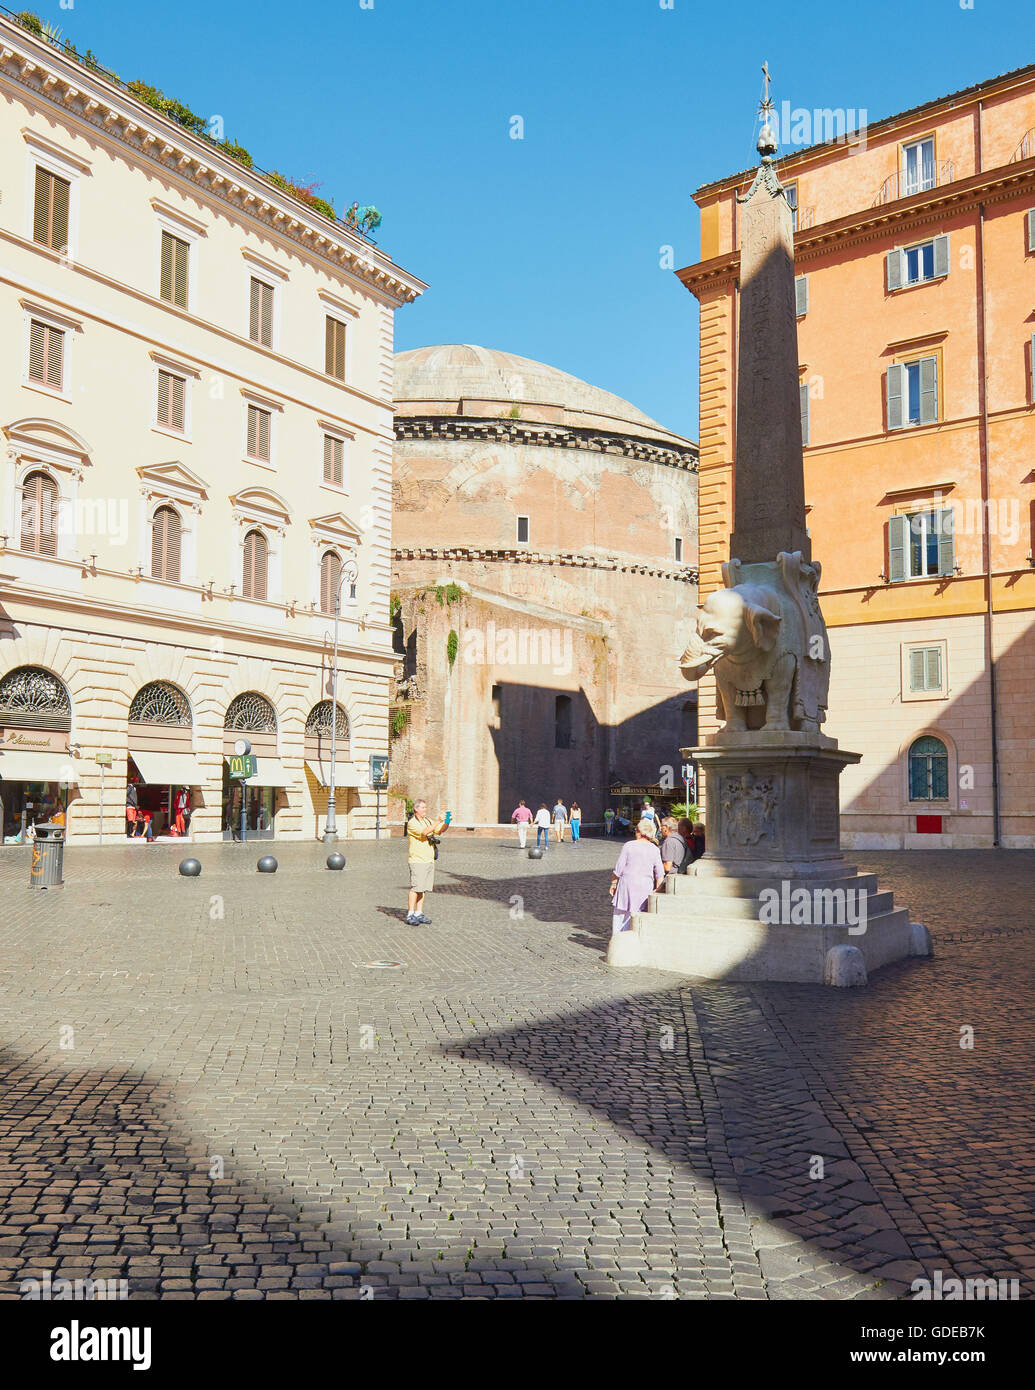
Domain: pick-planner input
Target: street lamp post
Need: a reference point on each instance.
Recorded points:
(349, 571)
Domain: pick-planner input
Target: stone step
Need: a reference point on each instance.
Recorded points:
(716, 886)
(688, 907)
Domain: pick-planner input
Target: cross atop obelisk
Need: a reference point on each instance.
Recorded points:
(768, 474)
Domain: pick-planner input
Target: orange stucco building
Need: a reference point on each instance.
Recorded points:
(915, 264)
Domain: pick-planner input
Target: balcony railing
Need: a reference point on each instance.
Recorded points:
(904, 185)
(803, 218)
(1026, 148)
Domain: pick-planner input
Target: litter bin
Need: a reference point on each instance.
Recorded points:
(48, 853)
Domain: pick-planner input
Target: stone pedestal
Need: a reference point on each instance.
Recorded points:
(773, 898)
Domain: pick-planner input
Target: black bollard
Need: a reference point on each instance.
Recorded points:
(336, 861)
(267, 864)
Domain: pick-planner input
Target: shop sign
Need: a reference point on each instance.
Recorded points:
(243, 765)
(35, 740)
(103, 759)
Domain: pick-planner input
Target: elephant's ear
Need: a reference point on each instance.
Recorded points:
(764, 626)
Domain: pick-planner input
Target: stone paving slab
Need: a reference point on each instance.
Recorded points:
(205, 1090)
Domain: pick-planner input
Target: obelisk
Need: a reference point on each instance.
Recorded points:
(772, 898)
(768, 474)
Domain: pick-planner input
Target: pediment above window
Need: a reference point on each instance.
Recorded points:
(335, 529)
(261, 506)
(38, 440)
(173, 479)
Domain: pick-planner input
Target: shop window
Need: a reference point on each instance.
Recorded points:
(39, 514)
(928, 770)
(165, 545)
(256, 564)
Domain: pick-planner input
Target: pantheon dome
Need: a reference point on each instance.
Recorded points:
(536, 502)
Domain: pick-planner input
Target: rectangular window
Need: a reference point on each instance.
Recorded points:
(913, 393)
(925, 669)
(175, 264)
(921, 545)
(1031, 230)
(803, 404)
(918, 171)
(791, 194)
(333, 460)
(916, 265)
(260, 313)
(679, 550)
(46, 355)
(335, 349)
(172, 397)
(522, 530)
(258, 433)
(801, 295)
(50, 210)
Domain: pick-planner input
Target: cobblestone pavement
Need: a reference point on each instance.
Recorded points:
(206, 1091)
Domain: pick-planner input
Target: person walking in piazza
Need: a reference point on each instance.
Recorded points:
(673, 846)
(609, 822)
(542, 827)
(421, 833)
(647, 812)
(522, 818)
(638, 872)
(575, 821)
(560, 815)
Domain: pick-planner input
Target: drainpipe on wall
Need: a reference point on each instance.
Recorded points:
(986, 539)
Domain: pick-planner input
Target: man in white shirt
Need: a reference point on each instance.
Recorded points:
(542, 826)
(560, 815)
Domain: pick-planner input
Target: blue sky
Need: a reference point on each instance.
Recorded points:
(548, 246)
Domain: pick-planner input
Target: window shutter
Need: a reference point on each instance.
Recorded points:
(896, 396)
(335, 363)
(260, 323)
(55, 340)
(946, 541)
(253, 431)
(41, 208)
(166, 286)
(1033, 368)
(266, 322)
(175, 261)
(264, 434)
(330, 572)
(801, 295)
(928, 390)
(917, 669)
(255, 565)
(164, 411)
(896, 269)
(50, 210)
(941, 256)
(803, 397)
(1031, 230)
(178, 392)
(165, 545)
(60, 191)
(37, 351)
(333, 460)
(255, 311)
(182, 261)
(898, 540)
(933, 671)
(258, 433)
(39, 514)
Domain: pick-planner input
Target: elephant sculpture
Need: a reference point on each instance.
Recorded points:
(766, 642)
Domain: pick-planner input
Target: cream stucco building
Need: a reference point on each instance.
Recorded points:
(196, 400)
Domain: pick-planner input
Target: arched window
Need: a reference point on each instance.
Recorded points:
(39, 514)
(562, 721)
(165, 545)
(160, 703)
(256, 561)
(928, 770)
(251, 713)
(319, 721)
(330, 574)
(31, 697)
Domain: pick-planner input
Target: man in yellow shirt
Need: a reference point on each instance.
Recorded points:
(422, 860)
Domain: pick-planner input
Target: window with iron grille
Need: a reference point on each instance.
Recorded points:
(165, 545)
(335, 349)
(319, 721)
(175, 267)
(160, 702)
(39, 514)
(928, 770)
(251, 713)
(50, 210)
(333, 460)
(32, 697)
(172, 397)
(46, 354)
(330, 574)
(256, 561)
(258, 433)
(260, 314)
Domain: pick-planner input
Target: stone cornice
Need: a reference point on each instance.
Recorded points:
(119, 118)
(546, 436)
(613, 563)
(873, 223)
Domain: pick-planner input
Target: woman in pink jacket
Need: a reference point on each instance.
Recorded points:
(638, 872)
